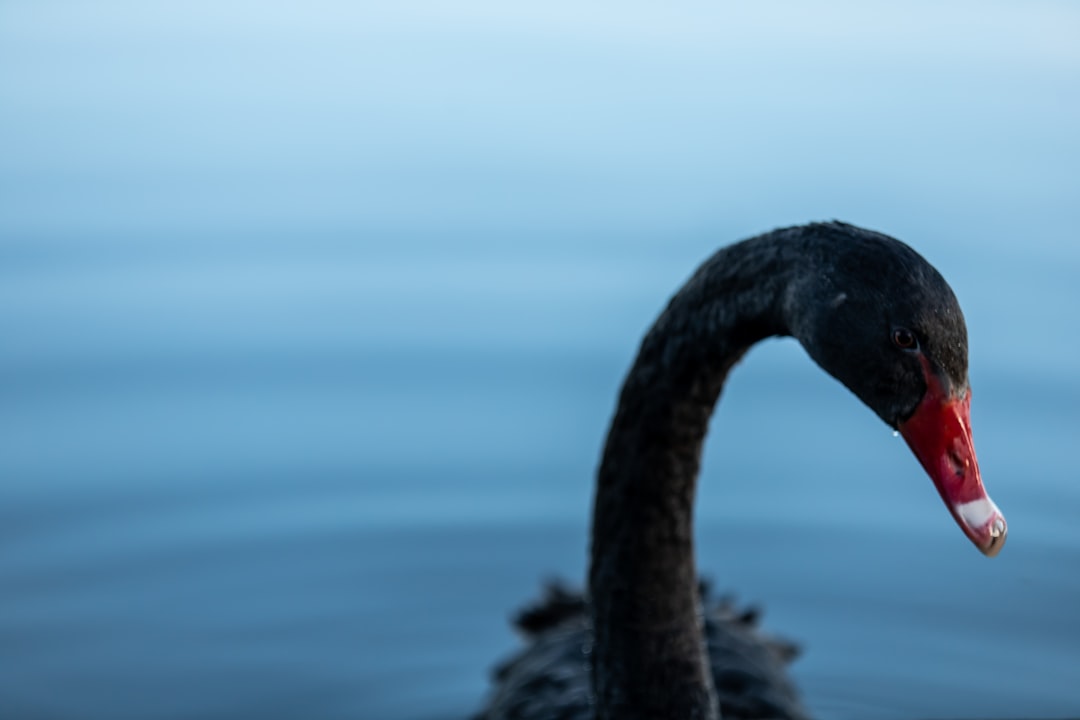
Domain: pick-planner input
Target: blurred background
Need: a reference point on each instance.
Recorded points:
(313, 316)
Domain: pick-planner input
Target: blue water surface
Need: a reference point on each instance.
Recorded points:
(313, 316)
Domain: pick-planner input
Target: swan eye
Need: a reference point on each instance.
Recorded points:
(904, 339)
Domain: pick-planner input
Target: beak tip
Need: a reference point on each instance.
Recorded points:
(991, 537)
(983, 523)
(997, 542)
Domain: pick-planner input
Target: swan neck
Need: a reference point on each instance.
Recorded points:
(649, 658)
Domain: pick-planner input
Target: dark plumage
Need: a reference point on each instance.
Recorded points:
(550, 678)
(871, 312)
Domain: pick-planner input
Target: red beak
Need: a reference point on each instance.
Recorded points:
(939, 433)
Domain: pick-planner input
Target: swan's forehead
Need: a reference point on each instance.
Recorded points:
(943, 333)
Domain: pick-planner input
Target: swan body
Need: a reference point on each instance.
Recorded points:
(645, 641)
(550, 679)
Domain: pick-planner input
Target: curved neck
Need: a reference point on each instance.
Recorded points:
(649, 660)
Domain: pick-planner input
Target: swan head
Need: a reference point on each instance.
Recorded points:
(878, 317)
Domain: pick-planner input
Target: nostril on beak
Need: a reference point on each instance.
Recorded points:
(957, 462)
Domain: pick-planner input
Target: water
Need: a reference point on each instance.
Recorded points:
(313, 319)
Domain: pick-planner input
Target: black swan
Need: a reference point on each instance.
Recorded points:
(647, 642)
